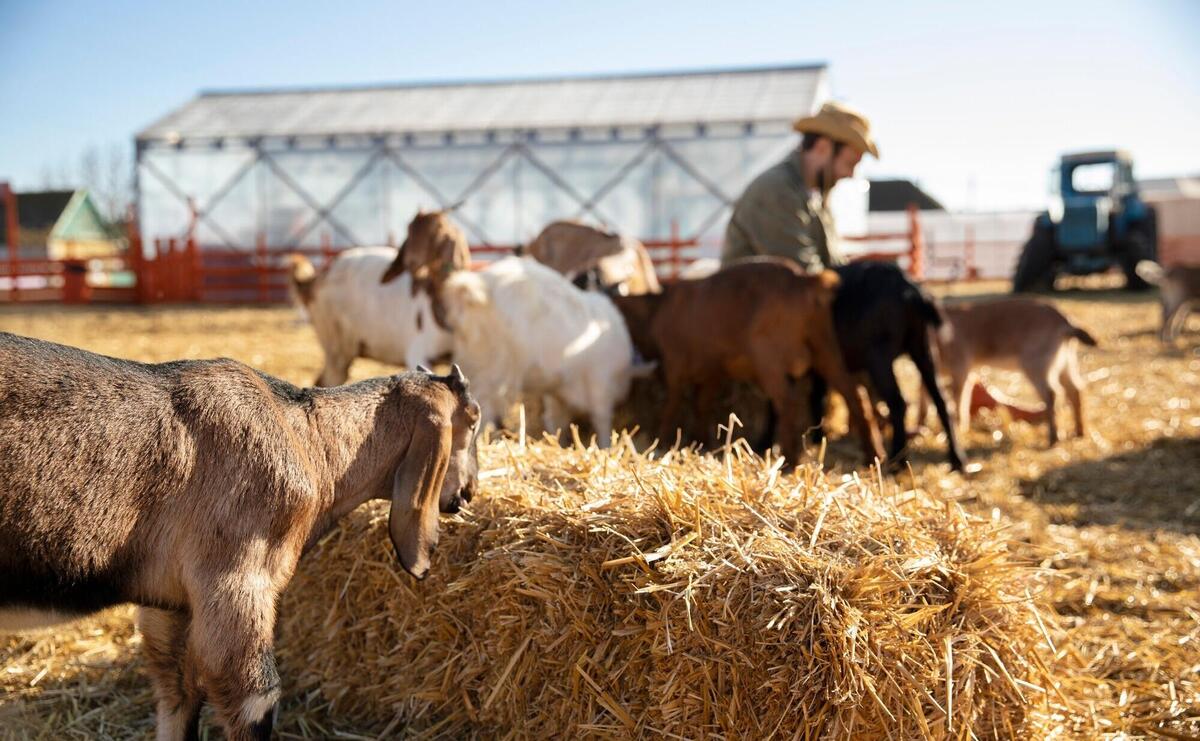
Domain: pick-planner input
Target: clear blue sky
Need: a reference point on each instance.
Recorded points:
(959, 92)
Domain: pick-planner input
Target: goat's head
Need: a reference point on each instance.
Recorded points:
(438, 473)
(462, 478)
(639, 312)
(433, 247)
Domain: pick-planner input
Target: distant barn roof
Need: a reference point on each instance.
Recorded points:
(896, 195)
(751, 95)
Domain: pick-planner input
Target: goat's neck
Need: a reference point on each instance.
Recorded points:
(356, 447)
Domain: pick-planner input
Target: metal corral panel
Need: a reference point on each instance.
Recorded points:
(735, 95)
(1178, 229)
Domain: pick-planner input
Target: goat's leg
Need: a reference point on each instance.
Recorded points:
(231, 638)
(554, 416)
(1170, 309)
(1067, 380)
(336, 370)
(176, 686)
(828, 363)
(883, 379)
(705, 396)
(922, 407)
(1173, 326)
(922, 357)
(962, 388)
(668, 423)
(1045, 387)
(770, 426)
(602, 423)
(774, 382)
(818, 400)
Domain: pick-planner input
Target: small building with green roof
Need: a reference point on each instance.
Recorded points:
(82, 233)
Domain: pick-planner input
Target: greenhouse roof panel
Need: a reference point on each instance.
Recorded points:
(741, 95)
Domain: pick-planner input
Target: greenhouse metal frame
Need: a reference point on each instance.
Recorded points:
(659, 156)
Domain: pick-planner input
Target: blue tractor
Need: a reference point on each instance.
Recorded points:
(1096, 221)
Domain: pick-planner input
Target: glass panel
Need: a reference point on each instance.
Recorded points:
(510, 206)
(362, 210)
(235, 217)
(285, 214)
(160, 213)
(199, 173)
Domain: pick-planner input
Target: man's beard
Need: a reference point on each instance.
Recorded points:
(825, 180)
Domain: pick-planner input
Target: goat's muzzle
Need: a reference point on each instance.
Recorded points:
(461, 497)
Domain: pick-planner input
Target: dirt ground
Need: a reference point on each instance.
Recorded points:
(1113, 518)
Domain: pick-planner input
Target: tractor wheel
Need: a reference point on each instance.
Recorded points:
(1138, 245)
(1035, 268)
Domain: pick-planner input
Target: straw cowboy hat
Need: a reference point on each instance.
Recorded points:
(840, 123)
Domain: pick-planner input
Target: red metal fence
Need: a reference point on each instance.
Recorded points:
(180, 270)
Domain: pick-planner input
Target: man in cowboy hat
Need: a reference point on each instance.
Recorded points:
(783, 212)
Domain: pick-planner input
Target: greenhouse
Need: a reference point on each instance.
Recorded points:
(659, 156)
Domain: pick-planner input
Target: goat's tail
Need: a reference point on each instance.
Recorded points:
(926, 306)
(1082, 335)
(304, 275)
(1149, 271)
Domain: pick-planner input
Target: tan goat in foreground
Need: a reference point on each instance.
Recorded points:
(192, 488)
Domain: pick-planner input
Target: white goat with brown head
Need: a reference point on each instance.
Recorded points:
(356, 316)
(192, 488)
(433, 249)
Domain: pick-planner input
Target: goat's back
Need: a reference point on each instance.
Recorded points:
(521, 313)
(351, 306)
(94, 450)
(879, 309)
(1002, 329)
(712, 315)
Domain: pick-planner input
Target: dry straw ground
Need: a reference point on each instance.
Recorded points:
(1052, 594)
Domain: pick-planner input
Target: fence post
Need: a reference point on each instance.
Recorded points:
(260, 251)
(134, 259)
(195, 268)
(674, 250)
(150, 268)
(12, 225)
(327, 249)
(12, 237)
(916, 253)
(173, 261)
(75, 288)
(969, 254)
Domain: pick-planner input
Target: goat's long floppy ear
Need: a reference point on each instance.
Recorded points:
(396, 269)
(413, 520)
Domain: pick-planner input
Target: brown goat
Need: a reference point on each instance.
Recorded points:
(1018, 334)
(433, 249)
(192, 488)
(573, 249)
(761, 320)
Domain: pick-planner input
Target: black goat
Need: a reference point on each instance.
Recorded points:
(879, 315)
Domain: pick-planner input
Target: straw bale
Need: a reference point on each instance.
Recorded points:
(610, 593)
(1112, 519)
